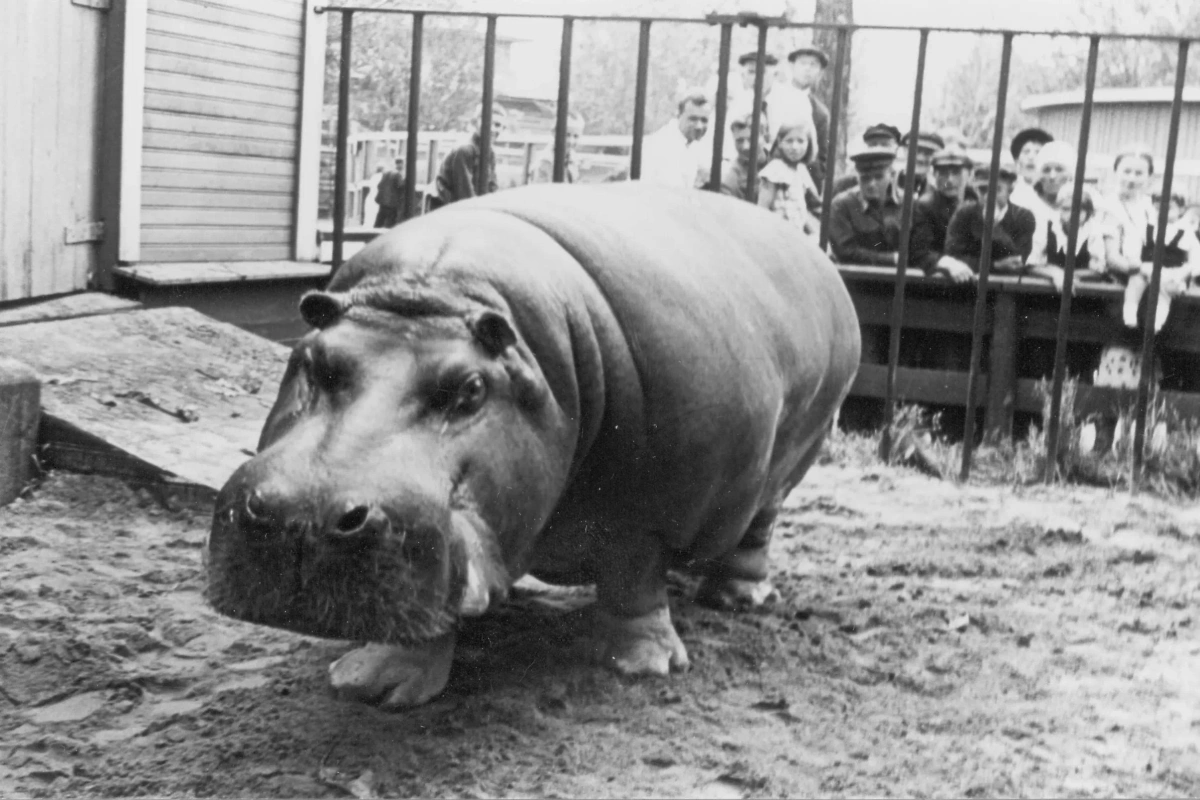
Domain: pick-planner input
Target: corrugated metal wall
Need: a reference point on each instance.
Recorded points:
(1117, 125)
(51, 56)
(222, 110)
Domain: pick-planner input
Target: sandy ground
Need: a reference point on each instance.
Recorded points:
(930, 640)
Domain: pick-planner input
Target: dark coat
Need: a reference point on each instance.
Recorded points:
(862, 235)
(931, 219)
(456, 178)
(1013, 235)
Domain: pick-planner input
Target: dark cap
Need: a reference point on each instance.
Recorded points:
(1008, 169)
(819, 55)
(925, 141)
(1025, 137)
(951, 157)
(869, 157)
(769, 59)
(882, 129)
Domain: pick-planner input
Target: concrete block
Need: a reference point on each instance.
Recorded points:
(20, 407)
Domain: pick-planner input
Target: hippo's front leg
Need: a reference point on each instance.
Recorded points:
(394, 676)
(633, 631)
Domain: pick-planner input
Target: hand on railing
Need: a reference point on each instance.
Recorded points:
(955, 270)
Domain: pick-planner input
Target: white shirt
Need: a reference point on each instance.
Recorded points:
(669, 159)
(1025, 196)
(789, 104)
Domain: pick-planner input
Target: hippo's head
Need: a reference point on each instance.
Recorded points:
(411, 458)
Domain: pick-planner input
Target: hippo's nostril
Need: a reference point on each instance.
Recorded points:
(256, 506)
(353, 521)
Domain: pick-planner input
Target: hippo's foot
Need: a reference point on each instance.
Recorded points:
(645, 645)
(391, 676)
(735, 594)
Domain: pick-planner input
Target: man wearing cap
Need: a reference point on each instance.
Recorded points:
(795, 101)
(932, 213)
(927, 145)
(878, 135)
(1025, 148)
(1012, 232)
(671, 156)
(864, 222)
(735, 173)
(456, 179)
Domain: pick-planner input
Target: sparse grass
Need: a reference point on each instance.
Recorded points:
(1171, 466)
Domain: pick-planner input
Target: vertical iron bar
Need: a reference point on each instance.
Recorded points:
(835, 114)
(414, 112)
(985, 258)
(1053, 425)
(340, 178)
(722, 110)
(482, 169)
(756, 115)
(564, 94)
(906, 212)
(1160, 240)
(639, 101)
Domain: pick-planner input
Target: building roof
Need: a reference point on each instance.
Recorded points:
(1153, 94)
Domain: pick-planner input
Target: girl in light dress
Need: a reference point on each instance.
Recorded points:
(785, 186)
(1049, 255)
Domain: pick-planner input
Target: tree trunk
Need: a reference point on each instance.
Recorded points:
(835, 12)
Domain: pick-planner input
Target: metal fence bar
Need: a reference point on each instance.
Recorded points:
(985, 258)
(639, 101)
(483, 169)
(756, 115)
(340, 178)
(1054, 424)
(835, 116)
(564, 94)
(722, 110)
(414, 122)
(1160, 240)
(906, 214)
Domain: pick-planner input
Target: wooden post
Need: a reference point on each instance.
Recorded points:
(1002, 367)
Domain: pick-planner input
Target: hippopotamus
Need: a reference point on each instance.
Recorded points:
(589, 384)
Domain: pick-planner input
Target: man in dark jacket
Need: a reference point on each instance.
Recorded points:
(456, 179)
(932, 213)
(735, 174)
(389, 195)
(864, 222)
(1012, 233)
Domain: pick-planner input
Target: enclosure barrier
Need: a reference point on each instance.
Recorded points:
(844, 33)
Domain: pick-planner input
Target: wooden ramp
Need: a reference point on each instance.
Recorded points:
(165, 395)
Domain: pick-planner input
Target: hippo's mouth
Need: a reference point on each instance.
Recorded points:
(396, 591)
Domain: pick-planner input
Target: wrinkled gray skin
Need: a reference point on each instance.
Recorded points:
(589, 383)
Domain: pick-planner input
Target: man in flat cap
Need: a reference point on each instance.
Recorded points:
(864, 222)
(878, 135)
(927, 144)
(1012, 232)
(1025, 147)
(932, 213)
(456, 179)
(795, 101)
(673, 155)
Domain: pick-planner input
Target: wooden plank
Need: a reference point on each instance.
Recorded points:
(917, 385)
(206, 126)
(947, 314)
(1002, 367)
(240, 92)
(215, 181)
(220, 108)
(231, 217)
(308, 154)
(217, 235)
(216, 163)
(132, 130)
(224, 53)
(183, 198)
(219, 71)
(95, 370)
(71, 306)
(284, 9)
(50, 93)
(175, 274)
(16, 130)
(241, 16)
(215, 252)
(214, 32)
(88, 140)
(169, 140)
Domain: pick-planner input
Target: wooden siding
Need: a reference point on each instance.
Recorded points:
(222, 111)
(51, 62)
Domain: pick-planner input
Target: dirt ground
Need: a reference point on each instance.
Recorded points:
(930, 639)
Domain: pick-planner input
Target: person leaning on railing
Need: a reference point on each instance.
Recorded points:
(735, 173)
(932, 214)
(456, 179)
(1012, 230)
(543, 162)
(864, 221)
(1050, 240)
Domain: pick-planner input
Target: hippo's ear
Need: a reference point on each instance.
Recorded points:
(493, 331)
(321, 309)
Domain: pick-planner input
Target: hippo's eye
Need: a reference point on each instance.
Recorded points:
(470, 395)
